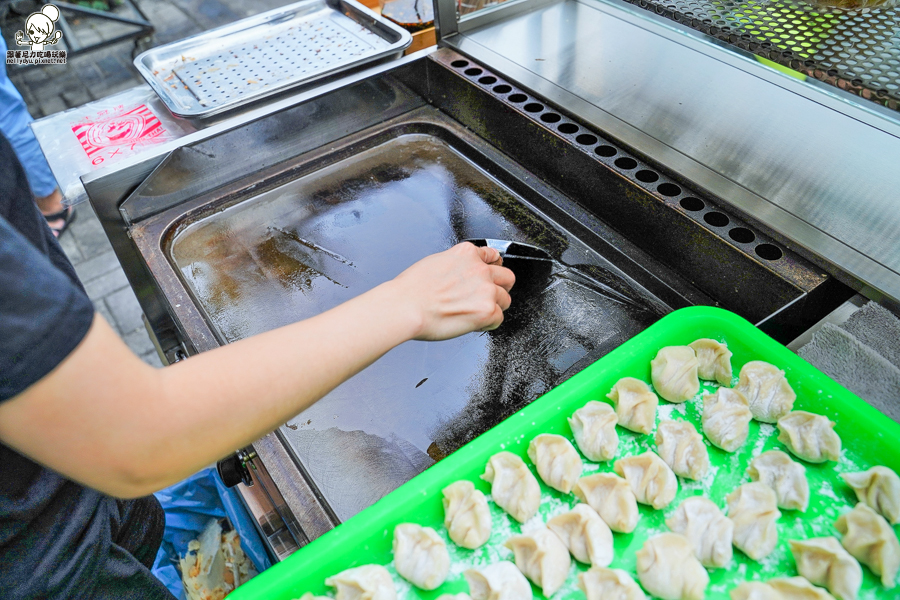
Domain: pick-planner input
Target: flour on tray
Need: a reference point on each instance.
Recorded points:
(665, 410)
(765, 432)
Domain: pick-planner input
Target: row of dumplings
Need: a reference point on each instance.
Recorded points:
(667, 565)
(762, 393)
(676, 370)
(825, 561)
(421, 556)
(670, 565)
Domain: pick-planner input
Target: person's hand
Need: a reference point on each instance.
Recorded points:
(454, 292)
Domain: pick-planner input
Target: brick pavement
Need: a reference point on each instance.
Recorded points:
(104, 280)
(53, 88)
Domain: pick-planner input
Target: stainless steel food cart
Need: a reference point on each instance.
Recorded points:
(663, 160)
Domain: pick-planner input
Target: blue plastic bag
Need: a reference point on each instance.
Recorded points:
(189, 506)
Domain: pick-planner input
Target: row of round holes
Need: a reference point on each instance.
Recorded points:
(741, 235)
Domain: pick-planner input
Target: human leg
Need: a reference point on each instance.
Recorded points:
(15, 123)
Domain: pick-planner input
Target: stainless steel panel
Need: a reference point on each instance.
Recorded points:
(257, 145)
(308, 518)
(259, 56)
(815, 167)
(112, 184)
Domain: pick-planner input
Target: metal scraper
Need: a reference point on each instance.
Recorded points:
(531, 265)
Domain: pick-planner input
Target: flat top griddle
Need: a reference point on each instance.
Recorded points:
(304, 247)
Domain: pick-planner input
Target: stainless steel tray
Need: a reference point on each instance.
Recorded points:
(223, 68)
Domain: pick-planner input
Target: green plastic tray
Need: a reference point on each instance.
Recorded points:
(869, 438)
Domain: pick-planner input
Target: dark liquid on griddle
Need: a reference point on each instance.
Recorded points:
(320, 240)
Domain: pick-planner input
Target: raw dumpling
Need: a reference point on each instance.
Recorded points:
(753, 508)
(594, 427)
(754, 590)
(556, 460)
(585, 534)
(467, 516)
(674, 373)
(823, 561)
(310, 596)
(809, 436)
(726, 419)
(879, 488)
(460, 596)
(872, 541)
(786, 477)
(500, 581)
(543, 558)
(598, 583)
(513, 487)
(650, 478)
(767, 391)
(368, 582)
(667, 568)
(635, 404)
(797, 588)
(612, 498)
(706, 528)
(683, 449)
(713, 360)
(420, 555)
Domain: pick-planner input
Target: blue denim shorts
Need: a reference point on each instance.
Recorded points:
(14, 123)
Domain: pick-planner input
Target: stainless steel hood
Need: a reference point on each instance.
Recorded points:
(818, 165)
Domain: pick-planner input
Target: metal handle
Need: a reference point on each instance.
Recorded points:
(235, 469)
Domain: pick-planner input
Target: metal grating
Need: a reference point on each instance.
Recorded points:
(857, 51)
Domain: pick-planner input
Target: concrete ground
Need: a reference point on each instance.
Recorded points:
(53, 88)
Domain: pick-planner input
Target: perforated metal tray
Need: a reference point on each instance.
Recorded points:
(855, 50)
(256, 57)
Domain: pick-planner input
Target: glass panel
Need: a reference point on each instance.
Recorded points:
(469, 6)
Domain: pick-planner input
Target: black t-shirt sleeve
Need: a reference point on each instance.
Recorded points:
(44, 315)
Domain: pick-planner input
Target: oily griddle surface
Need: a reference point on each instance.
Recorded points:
(324, 238)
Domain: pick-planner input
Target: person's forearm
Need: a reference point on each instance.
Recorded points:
(180, 419)
(106, 419)
(256, 384)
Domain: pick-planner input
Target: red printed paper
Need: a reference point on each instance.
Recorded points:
(114, 134)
